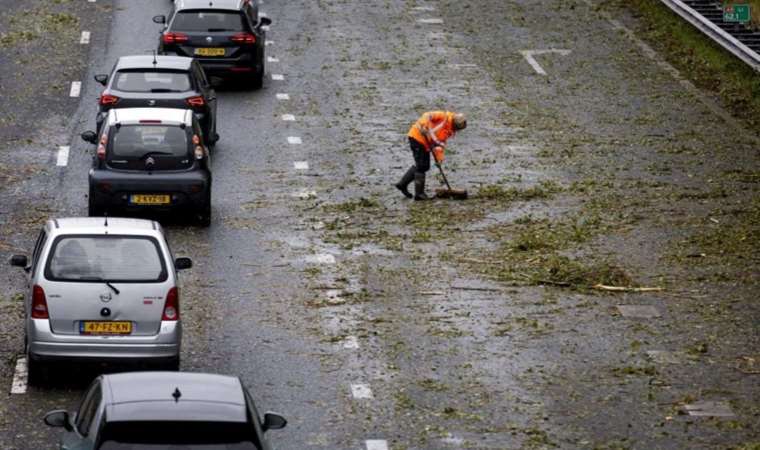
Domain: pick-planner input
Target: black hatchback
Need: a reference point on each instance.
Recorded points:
(141, 81)
(227, 37)
(149, 161)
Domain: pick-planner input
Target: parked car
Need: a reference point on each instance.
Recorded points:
(159, 81)
(164, 410)
(150, 160)
(101, 289)
(226, 36)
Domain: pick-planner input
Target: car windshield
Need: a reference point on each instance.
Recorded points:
(179, 436)
(208, 21)
(143, 141)
(105, 258)
(152, 81)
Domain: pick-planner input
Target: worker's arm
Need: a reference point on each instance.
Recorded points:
(437, 119)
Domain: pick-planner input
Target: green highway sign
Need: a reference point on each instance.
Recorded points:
(736, 13)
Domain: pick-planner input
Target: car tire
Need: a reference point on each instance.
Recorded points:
(92, 209)
(35, 370)
(172, 365)
(204, 218)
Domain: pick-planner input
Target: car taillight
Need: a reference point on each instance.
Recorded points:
(196, 101)
(108, 99)
(174, 38)
(171, 307)
(39, 303)
(243, 38)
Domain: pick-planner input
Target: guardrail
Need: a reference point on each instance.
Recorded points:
(715, 33)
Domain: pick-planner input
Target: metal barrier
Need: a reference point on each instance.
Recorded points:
(715, 33)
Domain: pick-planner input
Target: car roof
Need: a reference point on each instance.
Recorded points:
(99, 225)
(210, 4)
(146, 62)
(169, 116)
(139, 396)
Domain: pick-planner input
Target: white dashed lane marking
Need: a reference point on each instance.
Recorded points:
(528, 55)
(377, 444)
(18, 386)
(306, 195)
(63, 156)
(424, 8)
(322, 258)
(281, 96)
(288, 117)
(76, 89)
(272, 59)
(278, 77)
(85, 39)
(265, 27)
(351, 342)
(268, 42)
(294, 140)
(301, 165)
(361, 391)
(430, 21)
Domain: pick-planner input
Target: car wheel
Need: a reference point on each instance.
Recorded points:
(35, 370)
(172, 365)
(204, 218)
(258, 79)
(92, 209)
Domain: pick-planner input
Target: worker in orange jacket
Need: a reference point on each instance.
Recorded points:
(428, 134)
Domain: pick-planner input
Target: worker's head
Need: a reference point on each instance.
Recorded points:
(460, 122)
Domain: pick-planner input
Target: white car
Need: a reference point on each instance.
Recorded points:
(102, 289)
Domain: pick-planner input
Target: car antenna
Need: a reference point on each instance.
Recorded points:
(105, 220)
(176, 394)
(154, 59)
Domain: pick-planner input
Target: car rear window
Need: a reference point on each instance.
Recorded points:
(208, 21)
(105, 258)
(152, 81)
(179, 436)
(142, 141)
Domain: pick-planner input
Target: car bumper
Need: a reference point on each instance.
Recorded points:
(44, 345)
(244, 65)
(187, 192)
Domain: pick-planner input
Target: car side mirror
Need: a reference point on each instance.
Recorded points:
(264, 20)
(89, 136)
(183, 263)
(159, 19)
(273, 421)
(101, 78)
(58, 418)
(19, 261)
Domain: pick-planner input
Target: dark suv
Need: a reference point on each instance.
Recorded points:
(162, 81)
(225, 36)
(150, 160)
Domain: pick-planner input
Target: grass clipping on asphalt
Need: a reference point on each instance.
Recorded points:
(700, 59)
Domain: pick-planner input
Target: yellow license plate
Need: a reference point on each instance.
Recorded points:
(149, 199)
(105, 327)
(209, 51)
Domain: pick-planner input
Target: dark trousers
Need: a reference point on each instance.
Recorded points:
(421, 157)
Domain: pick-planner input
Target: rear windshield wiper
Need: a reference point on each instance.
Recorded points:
(160, 90)
(213, 30)
(108, 283)
(145, 155)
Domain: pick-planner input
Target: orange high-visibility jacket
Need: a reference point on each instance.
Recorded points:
(433, 128)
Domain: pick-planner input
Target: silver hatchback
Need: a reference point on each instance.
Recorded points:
(102, 289)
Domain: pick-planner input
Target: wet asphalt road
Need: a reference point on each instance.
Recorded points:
(304, 294)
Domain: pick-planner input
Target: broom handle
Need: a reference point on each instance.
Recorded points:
(440, 169)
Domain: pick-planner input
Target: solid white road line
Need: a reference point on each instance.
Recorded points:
(351, 342)
(63, 156)
(528, 55)
(85, 39)
(272, 59)
(76, 89)
(301, 165)
(377, 444)
(281, 96)
(288, 117)
(294, 140)
(18, 386)
(430, 21)
(278, 77)
(361, 391)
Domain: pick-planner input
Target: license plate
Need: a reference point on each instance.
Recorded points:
(87, 327)
(209, 51)
(149, 199)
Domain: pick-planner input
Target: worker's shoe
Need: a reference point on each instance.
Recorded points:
(419, 186)
(403, 185)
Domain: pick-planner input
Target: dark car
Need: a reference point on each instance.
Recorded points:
(162, 81)
(167, 410)
(225, 36)
(150, 160)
